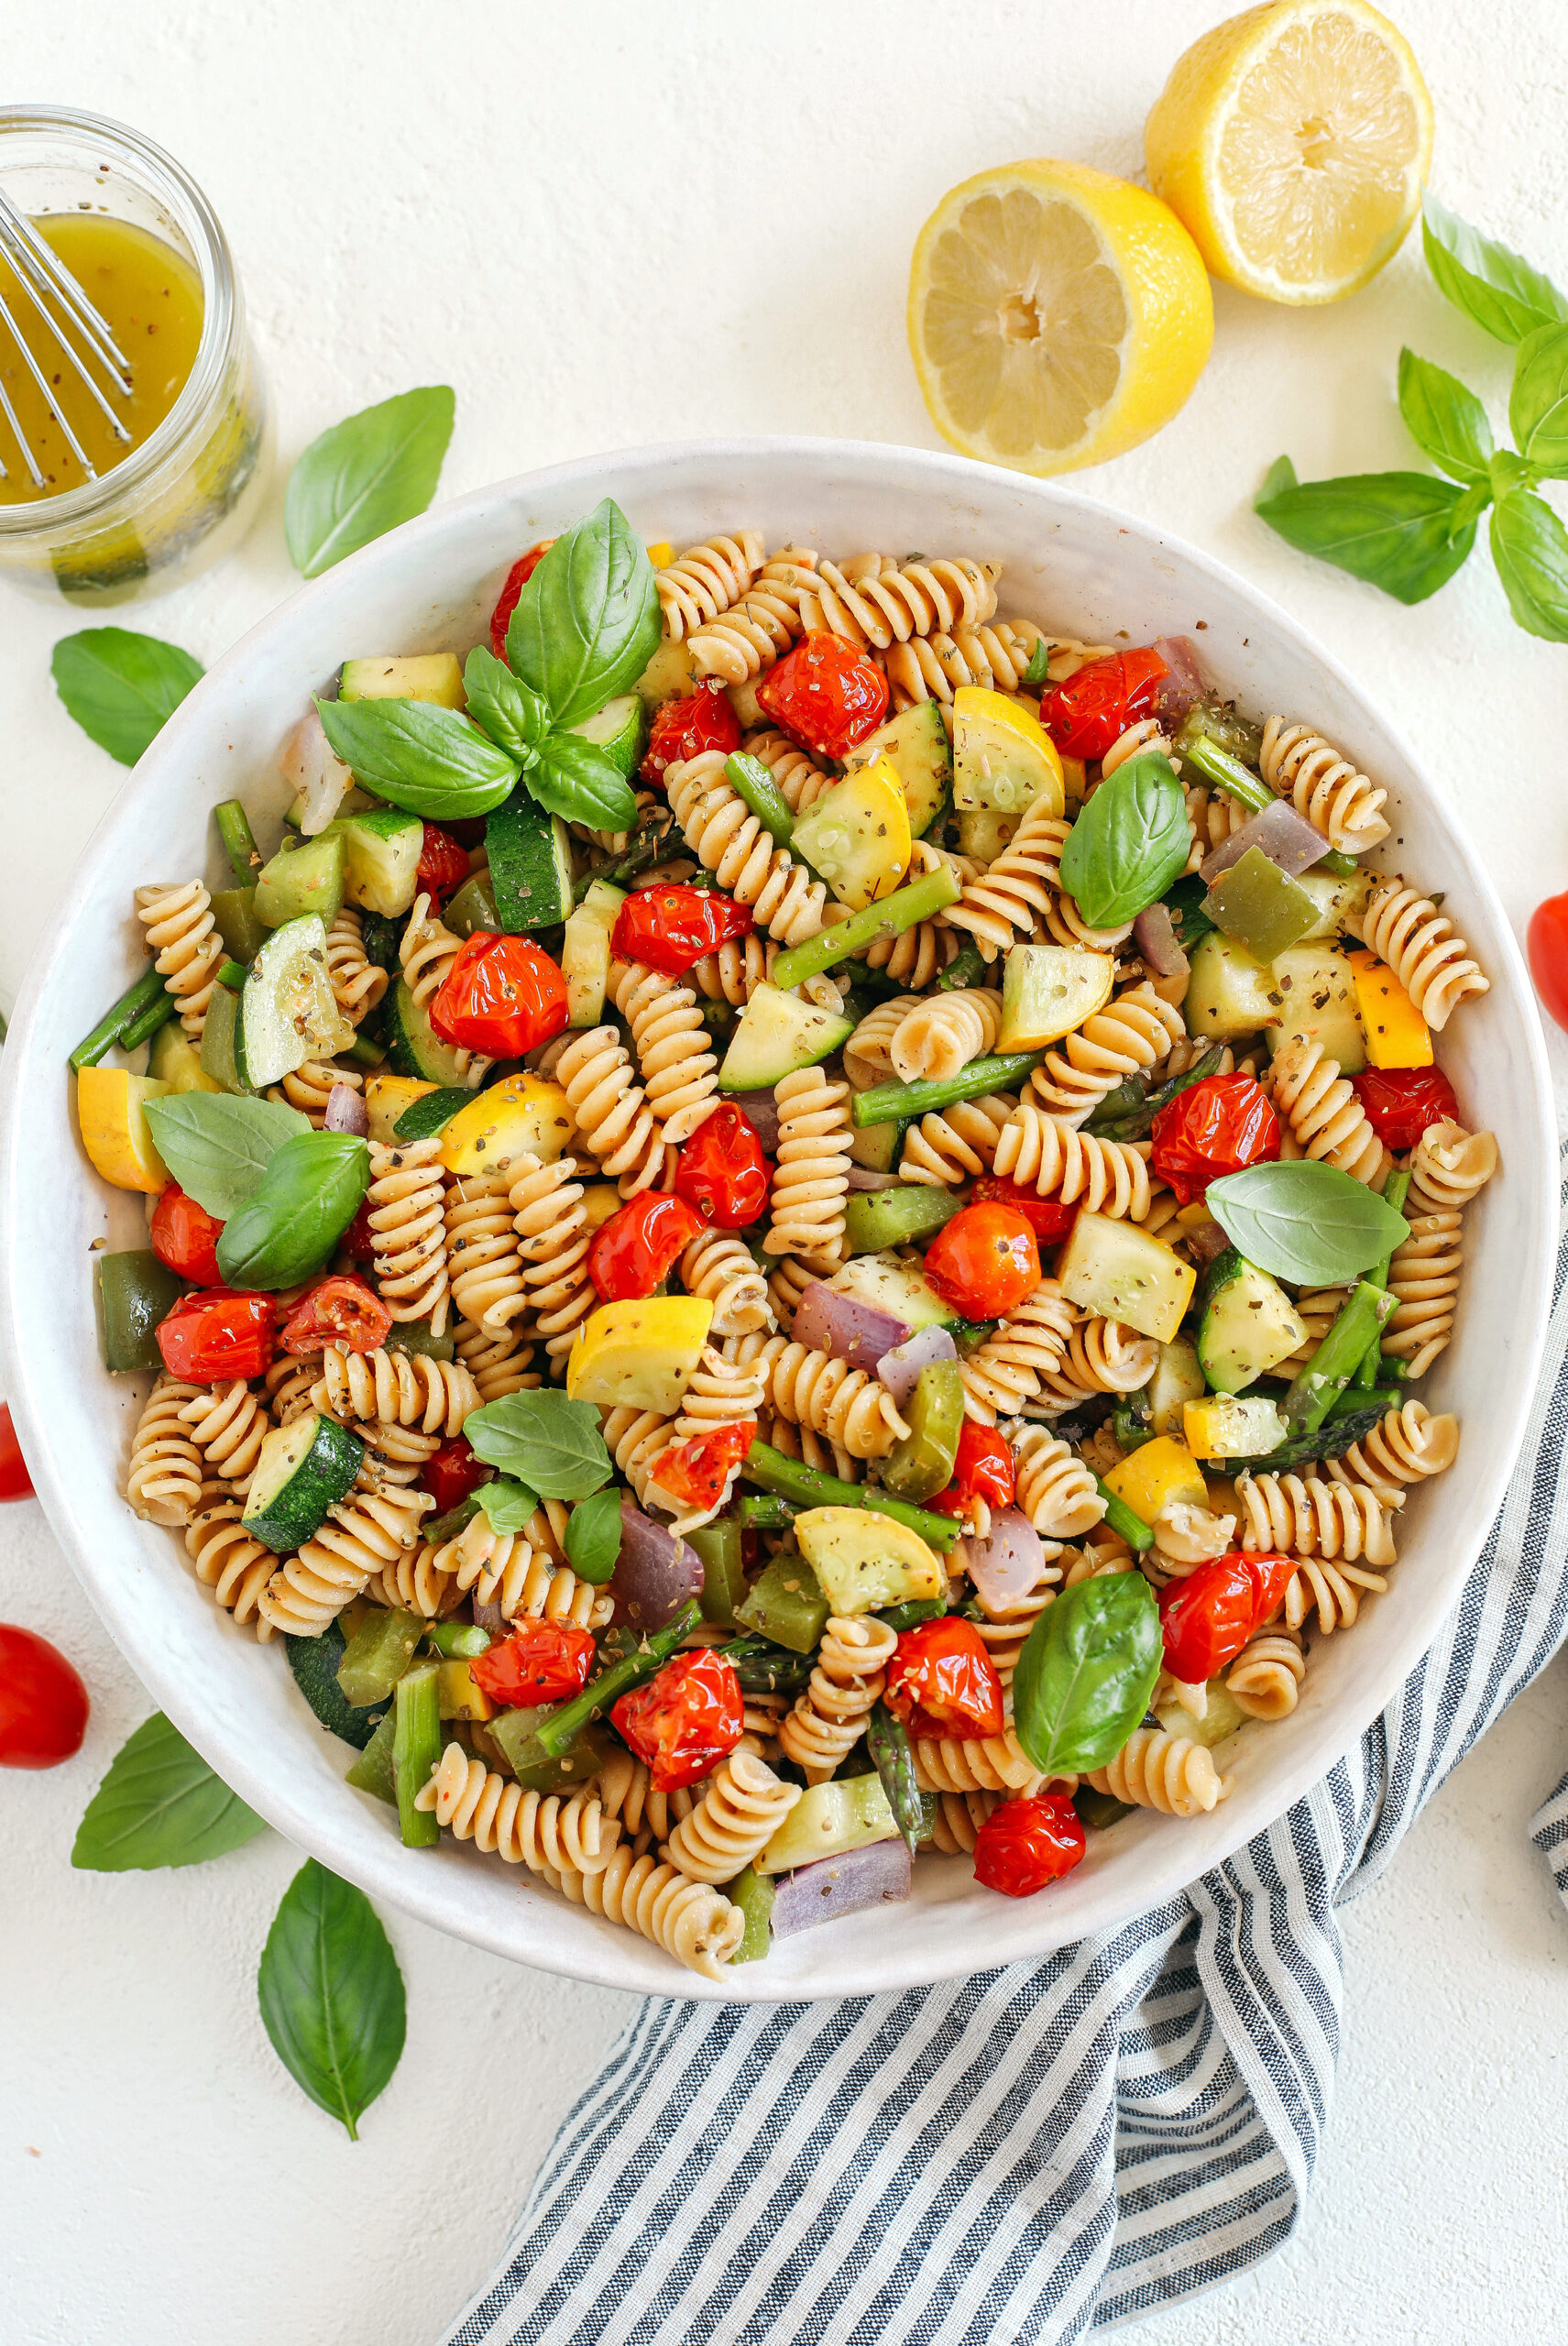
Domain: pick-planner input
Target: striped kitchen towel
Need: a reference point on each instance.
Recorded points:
(1043, 2150)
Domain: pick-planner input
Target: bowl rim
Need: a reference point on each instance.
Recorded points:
(611, 1957)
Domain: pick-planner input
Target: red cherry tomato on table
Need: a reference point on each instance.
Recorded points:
(541, 1661)
(1026, 1844)
(451, 1473)
(1085, 715)
(637, 1245)
(442, 864)
(985, 1261)
(722, 1171)
(684, 729)
(502, 996)
(825, 694)
(218, 1334)
(1207, 1617)
(185, 1236)
(942, 1681)
(1212, 1128)
(517, 578)
(1401, 1101)
(983, 1468)
(43, 1704)
(341, 1309)
(16, 1483)
(1050, 1220)
(670, 926)
(684, 1721)
(697, 1471)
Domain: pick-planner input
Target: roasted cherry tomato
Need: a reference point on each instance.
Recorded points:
(541, 1661)
(722, 1171)
(635, 1248)
(699, 1471)
(684, 729)
(985, 1261)
(684, 1721)
(501, 996)
(359, 1240)
(1026, 1844)
(825, 694)
(185, 1236)
(1401, 1101)
(1084, 714)
(942, 1681)
(1208, 1617)
(1050, 1220)
(983, 1468)
(669, 926)
(1271, 1576)
(1212, 1129)
(43, 1704)
(16, 1483)
(453, 1472)
(518, 577)
(338, 1311)
(442, 864)
(219, 1334)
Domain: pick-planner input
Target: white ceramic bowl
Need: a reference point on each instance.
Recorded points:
(429, 586)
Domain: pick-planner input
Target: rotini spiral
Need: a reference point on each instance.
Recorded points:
(236, 1567)
(744, 1808)
(1323, 1111)
(933, 667)
(310, 1086)
(358, 984)
(361, 1535)
(749, 637)
(1107, 1356)
(830, 1716)
(483, 1265)
(626, 1791)
(705, 580)
(420, 1580)
(553, 1243)
(522, 1828)
(1011, 898)
(1337, 1591)
(788, 1282)
(499, 1364)
(1132, 1033)
(731, 843)
(611, 1108)
(734, 972)
(394, 1455)
(407, 1213)
(1212, 818)
(1147, 733)
(842, 1404)
(868, 1053)
(690, 1920)
(800, 779)
(937, 1038)
(1408, 1446)
(401, 1389)
(228, 1425)
(718, 1393)
(521, 1572)
(1423, 1276)
(813, 1177)
(1421, 947)
(288, 1384)
(426, 953)
(719, 1268)
(163, 1480)
(1056, 1489)
(993, 1763)
(1265, 1679)
(1005, 1372)
(680, 1074)
(1449, 1167)
(885, 602)
(1187, 1535)
(636, 1439)
(186, 947)
(1323, 787)
(959, 1815)
(1296, 1515)
(944, 1150)
(1168, 1773)
(1051, 1156)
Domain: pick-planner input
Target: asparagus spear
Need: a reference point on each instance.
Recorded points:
(895, 1763)
(890, 917)
(787, 1478)
(239, 840)
(416, 1751)
(892, 1103)
(1331, 1366)
(764, 1668)
(1229, 774)
(567, 1722)
(146, 992)
(1120, 1518)
(751, 782)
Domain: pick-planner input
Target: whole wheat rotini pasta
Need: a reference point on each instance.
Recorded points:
(813, 1173)
(745, 1805)
(186, 948)
(407, 1213)
(1322, 786)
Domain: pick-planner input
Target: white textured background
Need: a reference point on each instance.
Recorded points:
(613, 224)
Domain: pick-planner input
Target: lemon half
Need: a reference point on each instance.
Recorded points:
(1057, 316)
(1294, 141)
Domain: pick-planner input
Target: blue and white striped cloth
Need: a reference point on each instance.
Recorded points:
(1039, 2151)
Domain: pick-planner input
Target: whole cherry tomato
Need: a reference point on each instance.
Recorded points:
(1026, 1844)
(442, 864)
(985, 1261)
(1401, 1101)
(699, 1471)
(185, 1236)
(16, 1483)
(1050, 1220)
(1212, 1128)
(684, 1721)
(502, 996)
(686, 727)
(634, 1249)
(1084, 714)
(1208, 1617)
(942, 1681)
(1272, 1576)
(983, 1468)
(670, 926)
(541, 1661)
(451, 1473)
(517, 578)
(217, 1334)
(337, 1310)
(43, 1704)
(722, 1171)
(825, 694)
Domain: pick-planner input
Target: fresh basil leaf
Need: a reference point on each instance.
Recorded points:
(1186, 901)
(1305, 1222)
(431, 1112)
(1038, 673)
(588, 622)
(428, 760)
(1280, 476)
(581, 782)
(1508, 472)
(331, 1994)
(1537, 406)
(121, 687)
(289, 1225)
(218, 1146)
(1391, 529)
(366, 474)
(593, 1537)
(1086, 1673)
(551, 1443)
(1529, 546)
(1489, 283)
(506, 1505)
(1447, 422)
(161, 1804)
(1130, 842)
(514, 718)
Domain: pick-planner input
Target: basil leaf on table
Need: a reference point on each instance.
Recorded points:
(1130, 842)
(366, 474)
(121, 687)
(593, 1537)
(1529, 546)
(331, 1994)
(1503, 295)
(218, 1147)
(161, 1804)
(1086, 1673)
(506, 1505)
(581, 782)
(431, 1112)
(292, 1219)
(514, 718)
(428, 760)
(1447, 422)
(588, 621)
(1394, 530)
(1537, 405)
(551, 1443)
(1305, 1222)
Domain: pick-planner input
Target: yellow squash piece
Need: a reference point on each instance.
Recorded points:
(1154, 1473)
(433, 677)
(386, 1097)
(856, 835)
(1048, 991)
(1003, 757)
(109, 1107)
(459, 1697)
(1397, 1034)
(526, 1114)
(601, 1202)
(1118, 1270)
(865, 1560)
(1226, 1427)
(640, 1354)
(662, 554)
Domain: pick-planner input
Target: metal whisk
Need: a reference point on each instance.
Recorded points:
(44, 278)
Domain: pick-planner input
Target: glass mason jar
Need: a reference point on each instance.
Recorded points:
(189, 492)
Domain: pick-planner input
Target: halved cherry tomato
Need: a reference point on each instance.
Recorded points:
(942, 1681)
(684, 729)
(1271, 1576)
(1050, 1220)
(684, 1721)
(43, 1704)
(985, 1261)
(517, 578)
(1026, 1844)
(218, 1334)
(670, 926)
(825, 694)
(359, 1240)
(451, 1473)
(341, 1309)
(1085, 715)
(983, 1468)
(541, 1661)
(722, 1171)
(1401, 1101)
(1212, 1128)
(185, 1236)
(699, 1471)
(502, 996)
(1208, 1617)
(637, 1245)
(16, 1483)
(442, 864)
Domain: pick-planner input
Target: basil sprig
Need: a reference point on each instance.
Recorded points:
(366, 474)
(1130, 842)
(298, 1211)
(552, 1445)
(218, 1146)
(161, 1804)
(121, 687)
(1305, 1221)
(506, 1505)
(429, 760)
(1502, 292)
(1086, 1673)
(331, 1994)
(588, 622)
(593, 1536)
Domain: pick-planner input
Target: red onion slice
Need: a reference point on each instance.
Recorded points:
(347, 1111)
(656, 1574)
(1207, 1242)
(322, 781)
(761, 1110)
(900, 1369)
(830, 1888)
(1183, 685)
(863, 1177)
(1008, 1563)
(1285, 837)
(1154, 932)
(841, 1324)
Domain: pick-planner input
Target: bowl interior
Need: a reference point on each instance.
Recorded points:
(429, 586)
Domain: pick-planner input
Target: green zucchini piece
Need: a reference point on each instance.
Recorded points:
(173, 1059)
(620, 729)
(134, 1291)
(314, 1662)
(305, 879)
(304, 1468)
(234, 909)
(472, 907)
(530, 865)
(777, 1035)
(221, 1041)
(414, 1048)
(288, 1011)
(433, 677)
(381, 850)
(723, 1570)
(895, 1287)
(878, 1147)
(917, 742)
(1246, 1325)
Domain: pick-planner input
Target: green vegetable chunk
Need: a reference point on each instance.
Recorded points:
(805, 1487)
(753, 783)
(764, 1668)
(1257, 907)
(375, 1771)
(416, 1751)
(786, 1605)
(875, 1219)
(922, 1464)
(890, 917)
(377, 1656)
(901, 1102)
(753, 1893)
(723, 1570)
(134, 1292)
(565, 1723)
(516, 1733)
(147, 993)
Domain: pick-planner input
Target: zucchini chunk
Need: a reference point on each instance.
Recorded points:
(1247, 1324)
(778, 1033)
(304, 1468)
